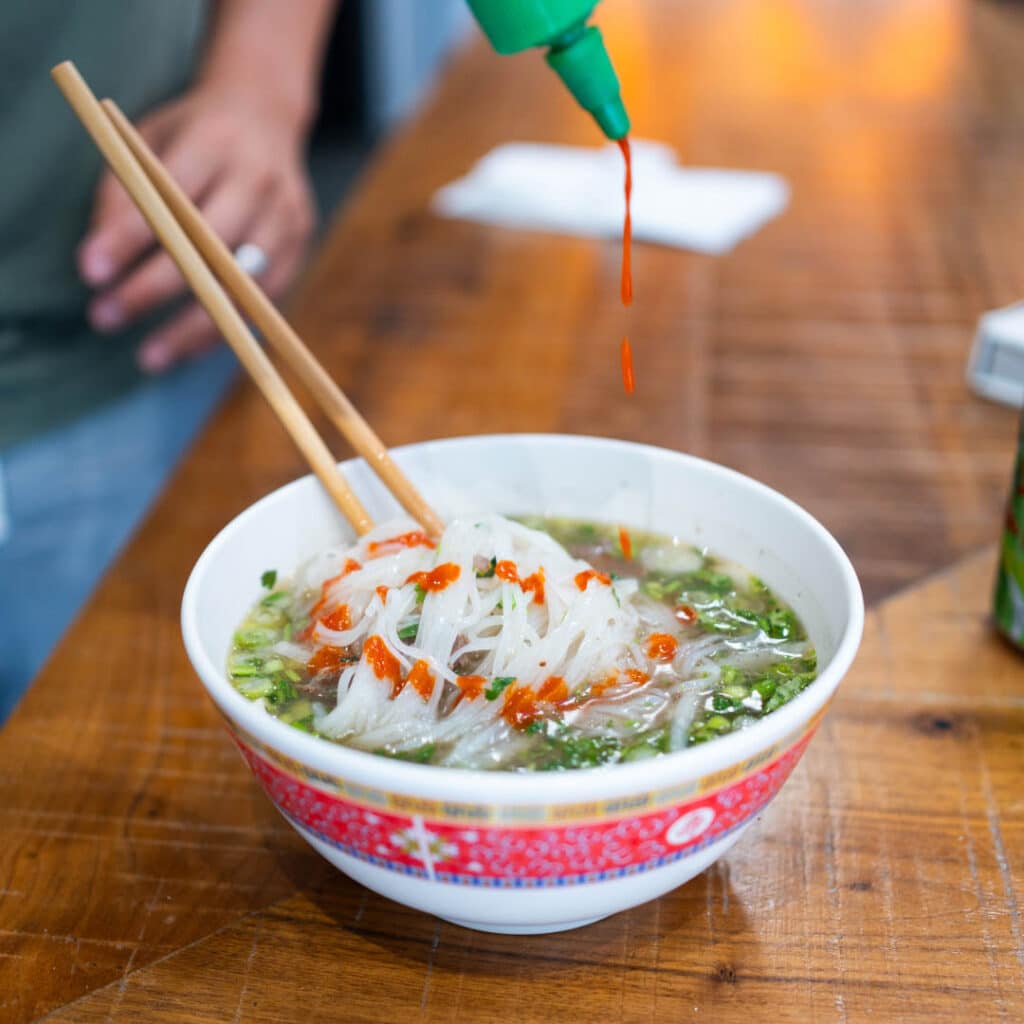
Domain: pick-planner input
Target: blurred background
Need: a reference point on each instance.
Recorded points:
(382, 57)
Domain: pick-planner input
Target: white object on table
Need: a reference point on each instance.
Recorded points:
(996, 366)
(579, 191)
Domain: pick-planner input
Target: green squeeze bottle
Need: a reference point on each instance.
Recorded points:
(575, 50)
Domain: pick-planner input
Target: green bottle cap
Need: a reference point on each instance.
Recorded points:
(585, 68)
(514, 25)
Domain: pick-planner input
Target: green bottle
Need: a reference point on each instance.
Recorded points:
(1009, 597)
(576, 50)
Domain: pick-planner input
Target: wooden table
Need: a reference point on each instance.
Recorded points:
(142, 874)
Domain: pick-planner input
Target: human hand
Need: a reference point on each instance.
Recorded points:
(241, 161)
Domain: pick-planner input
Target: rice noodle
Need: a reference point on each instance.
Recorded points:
(496, 643)
(577, 635)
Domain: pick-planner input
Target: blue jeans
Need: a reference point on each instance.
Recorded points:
(70, 499)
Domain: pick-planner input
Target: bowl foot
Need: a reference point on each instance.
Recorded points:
(525, 929)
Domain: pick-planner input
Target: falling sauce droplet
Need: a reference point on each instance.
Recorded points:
(627, 367)
(628, 381)
(627, 227)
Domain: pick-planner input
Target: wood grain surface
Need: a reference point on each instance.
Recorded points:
(143, 876)
(146, 878)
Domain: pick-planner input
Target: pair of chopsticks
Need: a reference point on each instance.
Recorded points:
(203, 259)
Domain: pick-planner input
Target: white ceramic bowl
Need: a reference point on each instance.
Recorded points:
(518, 852)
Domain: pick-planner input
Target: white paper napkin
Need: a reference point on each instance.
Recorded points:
(579, 191)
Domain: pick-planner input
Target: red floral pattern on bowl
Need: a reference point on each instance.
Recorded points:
(520, 856)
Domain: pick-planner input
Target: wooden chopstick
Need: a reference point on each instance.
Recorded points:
(277, 331)
(209, 292)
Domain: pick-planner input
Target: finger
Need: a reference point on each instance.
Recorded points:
(159, 126)
(193, 332)
(188, 334)
(282, 270)
(232, 206)
(96, 262)
(274, 237)
(112, 202)
(111, 198)
(282, 232)
(119, 234)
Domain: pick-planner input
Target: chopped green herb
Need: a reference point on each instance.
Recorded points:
(421, 755)
(489, 571)
(708, 579)
(788, 689)
(576, 751)
(251, 638)
(640, 752)
(282, 692)
(269, 578)
(246, 671)
(298, 711)
(409, 632)
(498, 684)
(256, 688)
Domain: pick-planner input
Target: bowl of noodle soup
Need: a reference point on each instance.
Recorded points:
(497, 796)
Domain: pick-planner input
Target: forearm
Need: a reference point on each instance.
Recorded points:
(268, 49)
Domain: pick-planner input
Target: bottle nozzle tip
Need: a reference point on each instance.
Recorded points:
(587, 71)
(613, 119)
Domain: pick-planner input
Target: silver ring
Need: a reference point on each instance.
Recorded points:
(251, 258)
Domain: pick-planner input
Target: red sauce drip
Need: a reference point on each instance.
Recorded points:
(625, 543)
(553, 690)
(626, 288)
(421, 679)
(532, 584)
(351, 565)
(507, 571)
(327, 659)
(382, 593)
(417, 538)
(686, 614)
(520, 706)
(522, 703)
(600, 689)
(634, 675)
(340, 618)
(470, 687)
(583, 578)
(436, 579)
(384, 664)
(627, 227)
(661, 647)
(626, 357)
